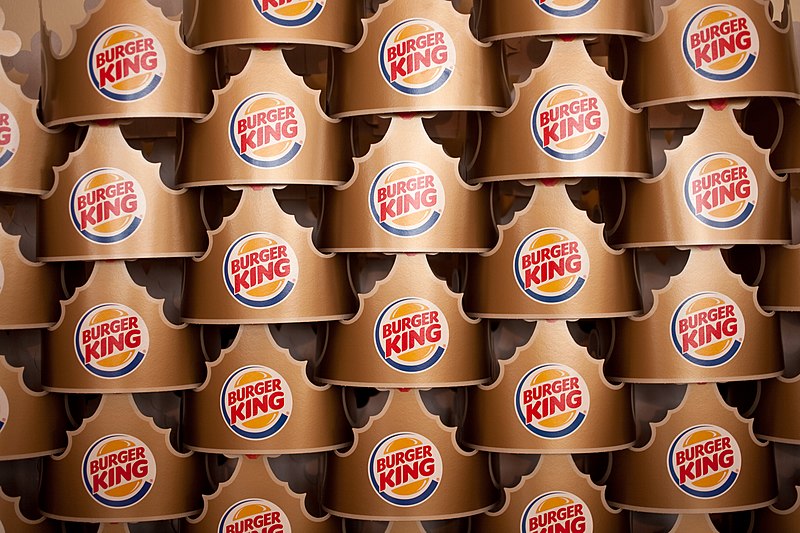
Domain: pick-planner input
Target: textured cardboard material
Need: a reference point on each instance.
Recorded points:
(13, 521)
(773, 520)
(773, 418)
(779, 286)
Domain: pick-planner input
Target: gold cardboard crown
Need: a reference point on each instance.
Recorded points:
(550, 397)
(113, 337)
(261, 266)
(711, 51)
(12, 519)
(705, 325)
(127, 61)
(779, 286)
(32, 424)
(319, 22)
(773, 520)
(717, 188)
(120, 467)
(266, 127)
(406, 465)
(410, 331)
(417, 57)
(555, 495)
(773, 418)
(255, 493)
(569, 122)
(694, 523)
(551, 262)
(702, 458)
(108, 202)
(258, 399)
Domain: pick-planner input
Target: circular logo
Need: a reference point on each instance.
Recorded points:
(406, 199)
(118, 471)
(565, 8)
(405, 469)
(417, 57)
(411, 335)
(720, 43)
(290, 13)
(4, 409)
(111, 340)
(707, 329)
(551, 265)
(107, 205)
(254, 515)
(557, 511)
(256, 402)
(552, 401)
(267, 130)
(260, 270)
(126, 63)
(569, 122)
(9, 135)
(721, 190)
(704, 461)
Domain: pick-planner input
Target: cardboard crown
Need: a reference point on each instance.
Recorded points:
(694, 523)
(12, 519)
(776, 123)
(773, 421)
(773, 520)
(778, 286)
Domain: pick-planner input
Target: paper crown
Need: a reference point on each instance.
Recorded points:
(694, 523)
(113, 337)
(702, 458)
(705, 325)
(261, 266)
(550, 397)
(717, 188)
(255, 494)
(711, 51)
(773, 418)
(551, 262)
(406, 465)
(267, 126)
(778, 287)
(127, 61)
(319, 22)
(120, 467)
(410, 331)
(428, 60)
(258, 399)
(406, 195)
(558, 496)
(12, 519)
(569, 122)
(108, 202)
(773, 520)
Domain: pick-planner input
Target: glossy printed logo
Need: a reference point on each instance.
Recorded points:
(4, 409)
(704, 461)
(267, 130)
(552, 401)
(405, 469)
(569, 122)
(720, 43)
(557, 511)
(118, 471)
(290, 13)
(256, 402)
(107, 205)
(565, 8)
(111, 340)
(708, 329)
(411, 335)
(9, 136)
(551, 265)
(417, 57)
(254, 516)
(406, 199)
(260, 270)
(126, 63)
(721, 190)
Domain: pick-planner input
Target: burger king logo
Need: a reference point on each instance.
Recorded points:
(569, 122)
(111, 340)
(565, 8)
(260, 270)
(417, 57)
(118, 471)
(406, 199)
(405, 469)
(290, 13)
(256, 402)
(107, 205)
(720, 43)
(707, 329)
(4, 408)
(552, 401)
(551, 265)
(9, 136)
(254, 516)
(557, 511)
(267, 130)
(721, 190)
(411, 335)
(126, 63)
(704, 461)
